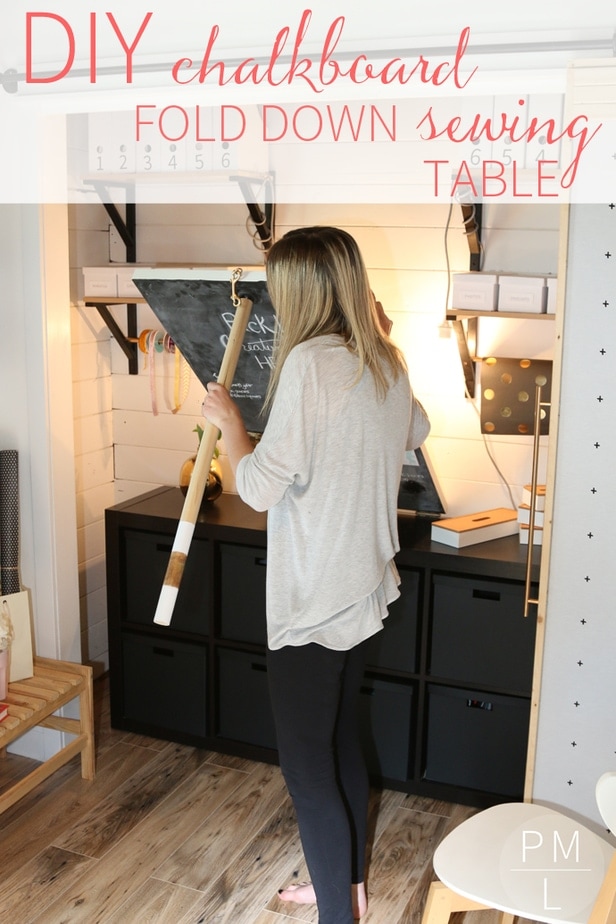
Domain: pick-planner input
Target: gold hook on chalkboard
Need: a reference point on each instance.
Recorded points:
(236, 274)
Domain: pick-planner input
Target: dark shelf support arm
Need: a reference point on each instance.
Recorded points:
(263, 218)
(466, 358)
(127, 229)
(128, 342)
(472, 217)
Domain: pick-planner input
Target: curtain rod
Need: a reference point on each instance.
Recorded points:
(11, 78)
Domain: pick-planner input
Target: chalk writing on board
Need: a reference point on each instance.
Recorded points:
(194, 306)
(260, 348)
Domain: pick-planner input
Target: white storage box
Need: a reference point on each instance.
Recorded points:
(474, 291)
(524, 294)
(551, 284)
(126, 286)
(525, 534)
(99, 281)
(524, 515)
(527, 496)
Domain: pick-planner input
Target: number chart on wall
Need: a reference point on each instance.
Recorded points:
(174, 140)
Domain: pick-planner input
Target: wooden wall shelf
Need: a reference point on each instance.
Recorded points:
(454, 313)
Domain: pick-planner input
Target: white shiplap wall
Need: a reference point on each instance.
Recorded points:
(404, 249)
(92, 408)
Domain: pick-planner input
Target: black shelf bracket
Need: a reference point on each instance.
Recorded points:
(472, 216)
(127, 229)
(127, 226)
(262, 217)
(128, 341)
(467, 345)
(467, 338)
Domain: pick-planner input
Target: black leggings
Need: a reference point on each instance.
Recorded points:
(314, 693)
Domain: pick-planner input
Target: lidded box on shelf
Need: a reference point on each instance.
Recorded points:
(524, 294)
(551, 283)
(474, 291)
(126, 286)
(100, 281)
(113, 281)
(505, 292)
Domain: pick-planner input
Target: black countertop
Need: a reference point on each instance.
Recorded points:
(227, 515)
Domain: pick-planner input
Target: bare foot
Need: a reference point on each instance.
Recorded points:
(302, 893)
(360, 900)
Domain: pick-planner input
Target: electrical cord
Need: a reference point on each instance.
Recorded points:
(468, 395)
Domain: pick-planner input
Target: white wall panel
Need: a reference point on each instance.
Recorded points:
(91, 540)
(92, 574)
(93, 433)
(94, 469)
(576, 739)
(91, 360)
(92, 502)
(521, 251)
(91, 397)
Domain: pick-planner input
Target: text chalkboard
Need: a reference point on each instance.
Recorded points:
(195, 308)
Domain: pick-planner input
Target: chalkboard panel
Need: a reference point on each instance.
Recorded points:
(194, 306)
(418, 490)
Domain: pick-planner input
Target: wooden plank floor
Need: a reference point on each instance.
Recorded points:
(168, 834)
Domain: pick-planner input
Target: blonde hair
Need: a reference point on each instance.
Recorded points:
(318, 284)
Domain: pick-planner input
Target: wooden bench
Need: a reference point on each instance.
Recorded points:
(32, 702)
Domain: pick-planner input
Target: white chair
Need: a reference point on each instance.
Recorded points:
(528, 861)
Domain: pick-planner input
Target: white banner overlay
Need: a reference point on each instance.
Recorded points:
(324, 103)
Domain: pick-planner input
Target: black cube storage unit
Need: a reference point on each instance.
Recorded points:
(445, 701)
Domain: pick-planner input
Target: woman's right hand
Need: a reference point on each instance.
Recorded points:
(218, 406)
(385, 323)
(220, 409)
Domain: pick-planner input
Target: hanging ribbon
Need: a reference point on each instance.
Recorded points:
(151, 342)
(181, 381)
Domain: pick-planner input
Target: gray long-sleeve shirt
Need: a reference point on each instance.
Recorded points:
(327, 470)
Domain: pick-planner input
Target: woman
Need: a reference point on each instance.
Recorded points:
(327, 469)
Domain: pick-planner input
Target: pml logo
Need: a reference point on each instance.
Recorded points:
(553, 864)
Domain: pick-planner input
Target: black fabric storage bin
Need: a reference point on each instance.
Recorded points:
(477, 740)
(165, 683)
(242, 593)
(147, 556)
(244, 710)
(395, 647)
(479, 633)
(386, 715)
